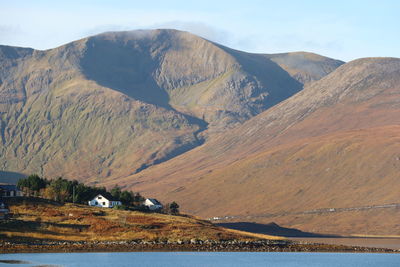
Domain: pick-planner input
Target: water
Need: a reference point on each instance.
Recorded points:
(230, 259)
(392, 243)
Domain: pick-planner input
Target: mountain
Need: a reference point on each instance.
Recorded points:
(334, 145)
(296, 138)
(305, 67)
(109, 106)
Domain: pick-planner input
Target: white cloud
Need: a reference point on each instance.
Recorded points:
(199, 28)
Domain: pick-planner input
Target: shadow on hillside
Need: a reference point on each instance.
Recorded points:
(30, 200)
(58, 229)
(123, 67)
(128, 67)
(270, 229)
(278, 82)
(8, 177)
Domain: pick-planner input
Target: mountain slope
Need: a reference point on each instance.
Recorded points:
(111, 105)
(305, 67)
(178, 70)
(64, 124)
(334, 144)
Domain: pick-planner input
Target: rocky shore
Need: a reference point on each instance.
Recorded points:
(187, 245)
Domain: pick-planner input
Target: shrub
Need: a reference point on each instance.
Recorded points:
(121, 207)
(174, 208)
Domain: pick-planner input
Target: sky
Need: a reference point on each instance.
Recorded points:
(339, 29)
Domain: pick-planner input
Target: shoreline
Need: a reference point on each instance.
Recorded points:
(8, 247)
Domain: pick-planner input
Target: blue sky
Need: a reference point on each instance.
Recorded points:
(340, 29)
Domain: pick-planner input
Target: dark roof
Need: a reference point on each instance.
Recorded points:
(9, 187)
(107, 196)
(155, 201)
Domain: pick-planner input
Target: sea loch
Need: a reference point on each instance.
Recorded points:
(200, 259)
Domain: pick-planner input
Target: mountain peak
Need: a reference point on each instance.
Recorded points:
(150, 35)
(134, 98)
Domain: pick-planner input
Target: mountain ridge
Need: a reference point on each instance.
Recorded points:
(179, 117)
(354, 110)
(113, 104)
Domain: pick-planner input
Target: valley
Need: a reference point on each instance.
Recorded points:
(221, 131)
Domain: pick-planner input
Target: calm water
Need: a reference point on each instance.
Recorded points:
(393, 243)
(204, 259)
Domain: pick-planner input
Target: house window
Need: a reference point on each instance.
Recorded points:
(99, 197)
(96, 203)
(104, 203)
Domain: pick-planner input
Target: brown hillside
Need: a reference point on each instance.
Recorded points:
(36, 219)
(111, 105)
(305, 67)
(333, 145)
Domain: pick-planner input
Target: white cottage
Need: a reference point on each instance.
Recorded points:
(153, 204)
(103, 202)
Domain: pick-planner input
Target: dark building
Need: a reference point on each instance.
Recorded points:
(9, 190)
(4, 211)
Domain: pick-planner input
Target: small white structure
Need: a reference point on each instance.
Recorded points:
(103, 202)
(153, 204)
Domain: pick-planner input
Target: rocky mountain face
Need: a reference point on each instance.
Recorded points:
(335, 144)
(264, 137)
(111, 105)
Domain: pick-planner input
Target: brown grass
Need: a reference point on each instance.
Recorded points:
(335, 144)
(77, 223)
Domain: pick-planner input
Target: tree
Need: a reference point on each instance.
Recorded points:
(174, 208)
(116, 192)
(49, 193)
(32, 184)
(82, 193)
(126, 197)
(138, 199)
(62, 189)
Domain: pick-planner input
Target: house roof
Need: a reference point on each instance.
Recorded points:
(9, 187)
(107, 196)
(154, 201)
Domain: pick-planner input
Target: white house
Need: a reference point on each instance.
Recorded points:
(103, 202)
(153, 204)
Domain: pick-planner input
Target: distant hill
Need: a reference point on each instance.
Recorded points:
(305, 67)
(334, 144)
(111, 105)
(10, 177)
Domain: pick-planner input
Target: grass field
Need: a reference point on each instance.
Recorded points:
(38, 219)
